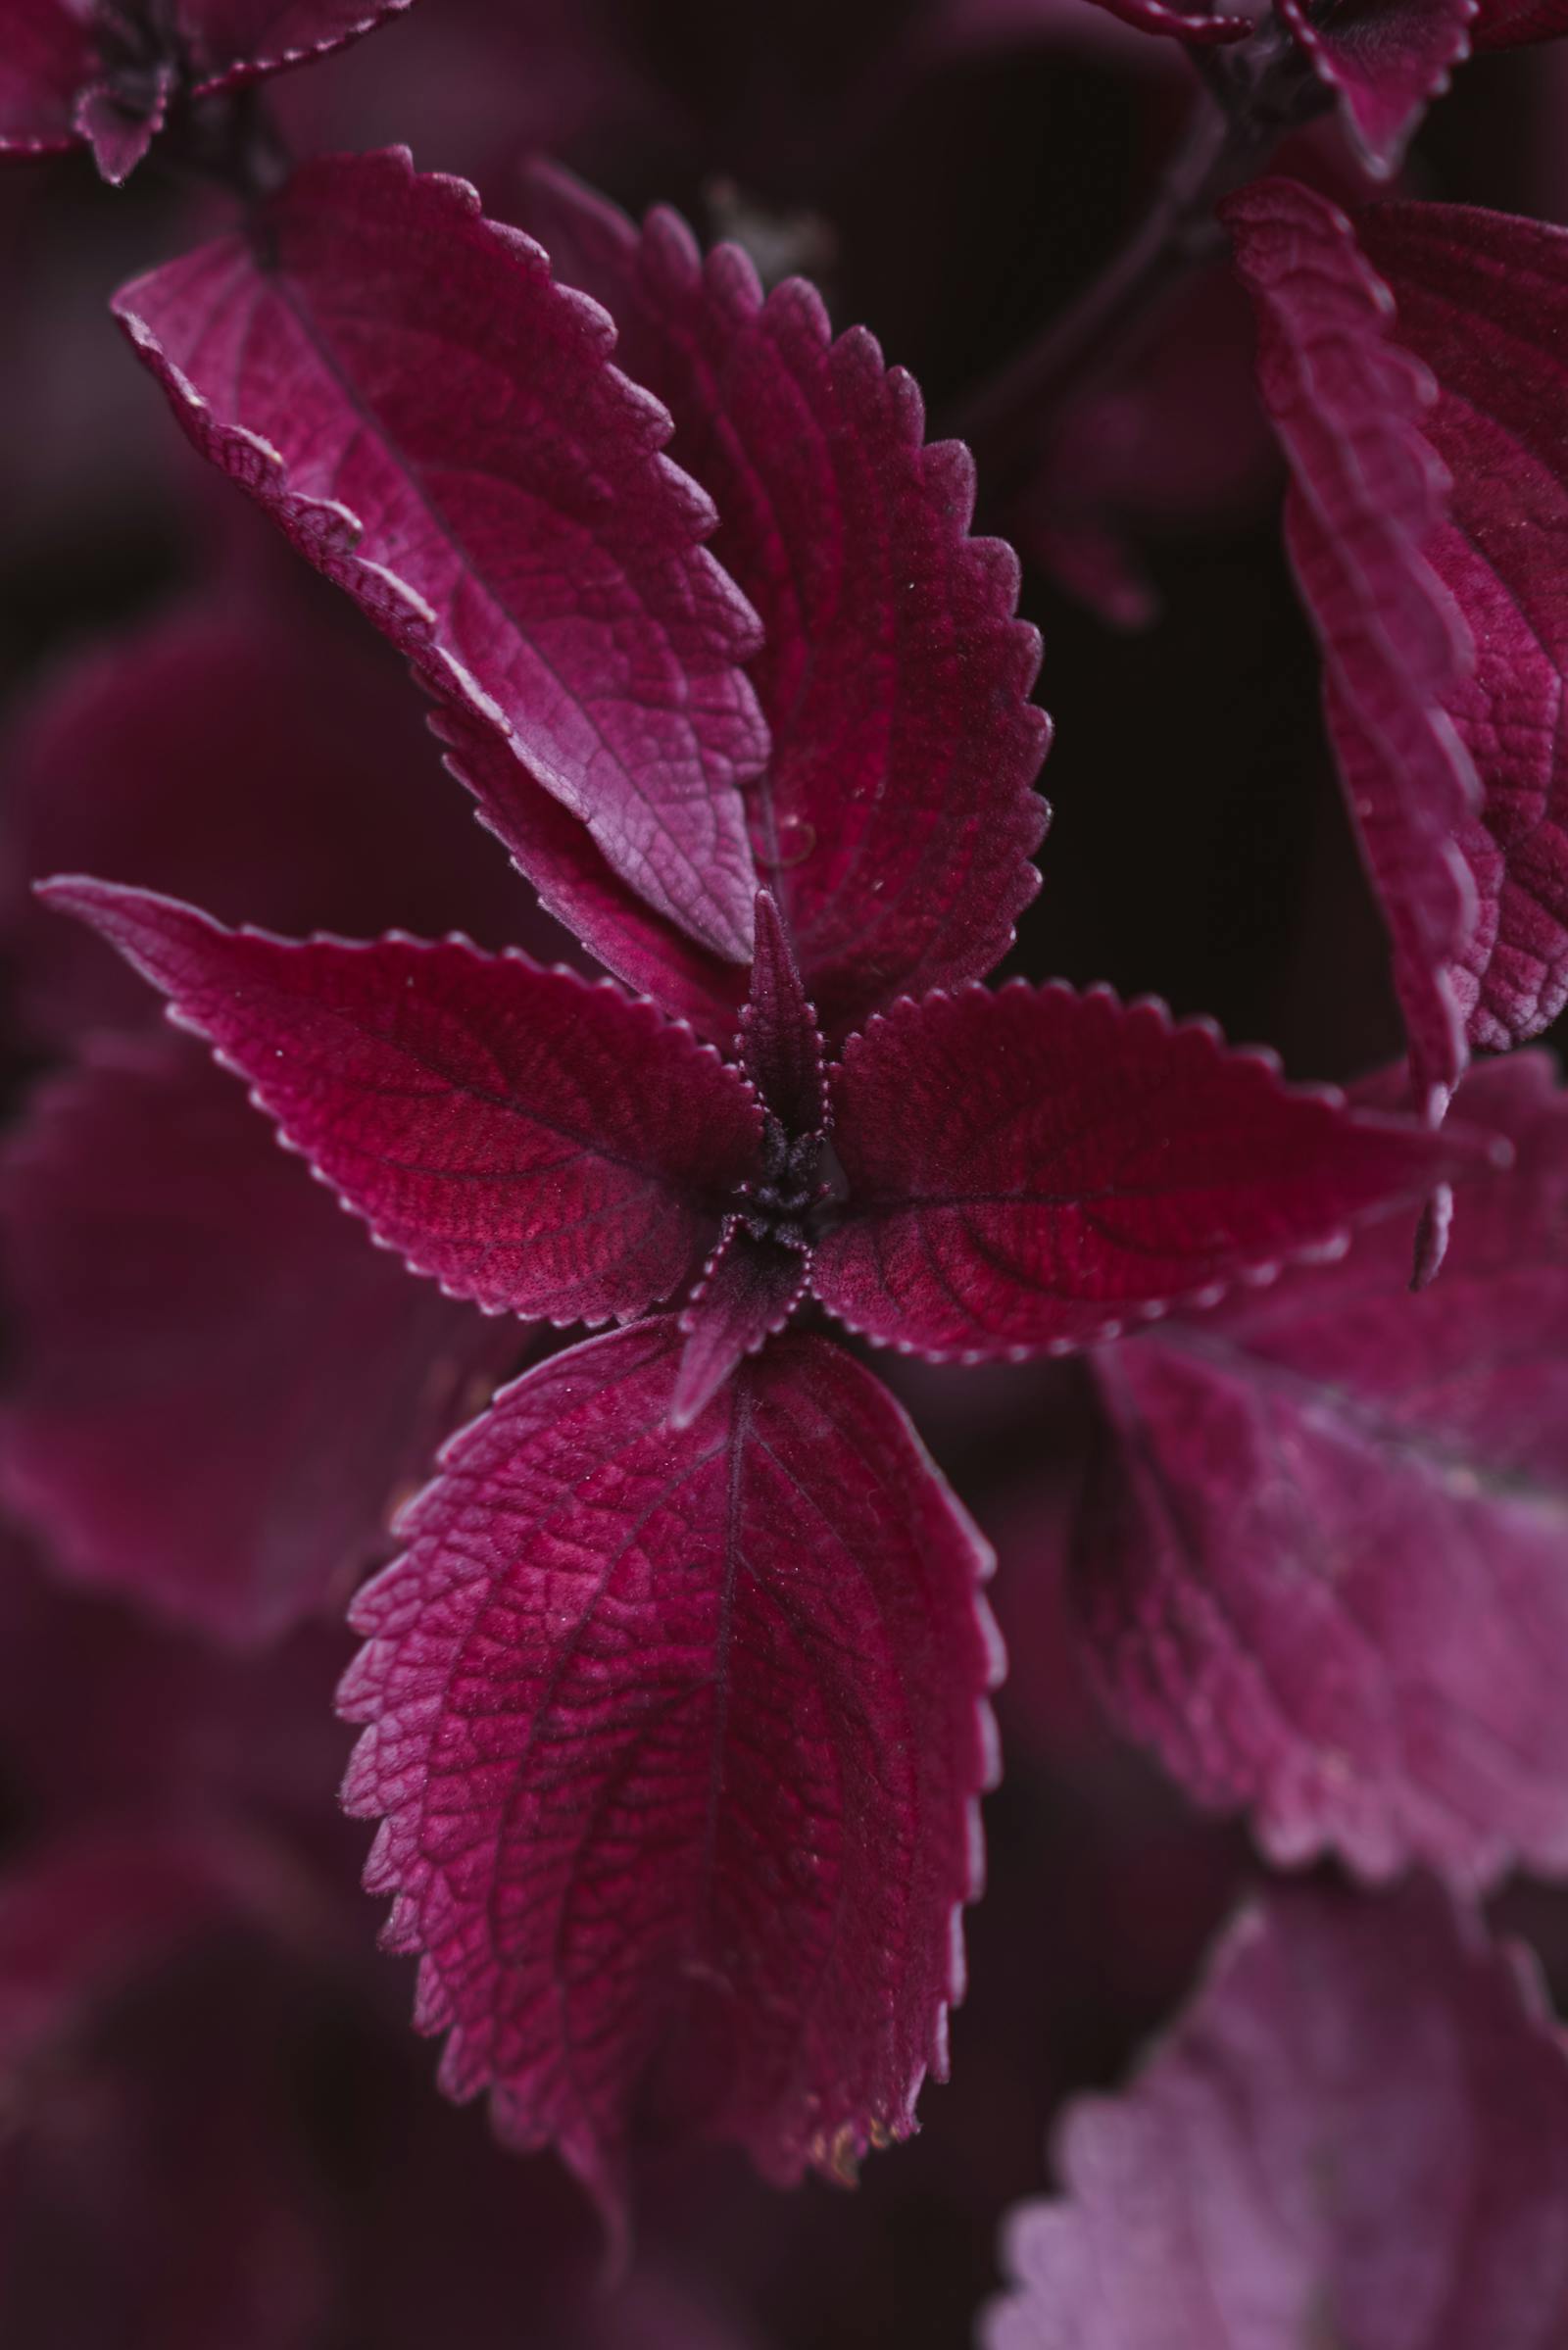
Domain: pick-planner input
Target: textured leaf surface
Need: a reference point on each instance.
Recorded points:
(1367, 494)
(1358, 2134)
(1029, 1169)
(1483, 302)
(539, 1143)
(46, 58)
(239, 754)
(678, 1738)
(895, 819)
(1385, 61)
(750, 1288)
(1322, 1564)
(436, 425)
(780, 1048)
(226, 42)
(219, 1392)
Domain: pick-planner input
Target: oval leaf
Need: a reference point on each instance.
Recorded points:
(1357, 2134)
(679, 1739)
(895, 821)
(1321, 1564)
(538, 1143)
(1367, 494)
(437, 426)
(1028, 1170)
(1483, 302)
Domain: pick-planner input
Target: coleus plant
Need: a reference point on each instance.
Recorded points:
(674, 1702)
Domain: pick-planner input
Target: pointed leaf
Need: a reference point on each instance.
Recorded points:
(749, 1289)
(780, 1047)
(1483, 302)
(235, 753)
(1385, 61)
(437, 426)
(1367, 494)
(219, 1392)
(543, 1145)
(1357, 2134)
(895, 820)
(1322, 1566)
(1026, 1172)
(679, 1737)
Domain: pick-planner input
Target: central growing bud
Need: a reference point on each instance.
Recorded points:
(775, 1205)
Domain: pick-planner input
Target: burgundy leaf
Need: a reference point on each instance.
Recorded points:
(1322, 1565)
(895, 820)
(46, 58)
(542, 1145)
(780, 1047)
(437, 426)
(1030, 1170)
(106, 71)
(331, 811)
(1385, 60)
(1483, 302)
(1359, 2133)
(750, 1288)
(1366, 496)
(1194, 24)
(679, 1738)
(219, 1392)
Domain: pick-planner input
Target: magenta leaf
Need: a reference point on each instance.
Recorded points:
(219, 1392)
(895, 819)
(679, 1738)
(105, 72)
(1031, 1170)
(1366, 497)
(46, 59)
(1483, 302)
(1321, 1568)
(540, 1144)
(332, 811)
(780, 1047)
(750, 1288)
(1359, 2133)
(1198, 25)
(436, 425)
(1385, 61)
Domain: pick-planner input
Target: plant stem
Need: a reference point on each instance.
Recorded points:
(1250, 97)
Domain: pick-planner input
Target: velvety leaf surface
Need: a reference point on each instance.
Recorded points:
(218, 1390)
(750, 1288)
(1483, 302)
(543, 1145)
(238, 754)
(1385, 61)
(895, 819)
(1367, 494)
(780, 1048)
(436, 425)
(679, 1738)
(1028, 1170)
(1321, 1566)
(46, 57)
(1357, 2134)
